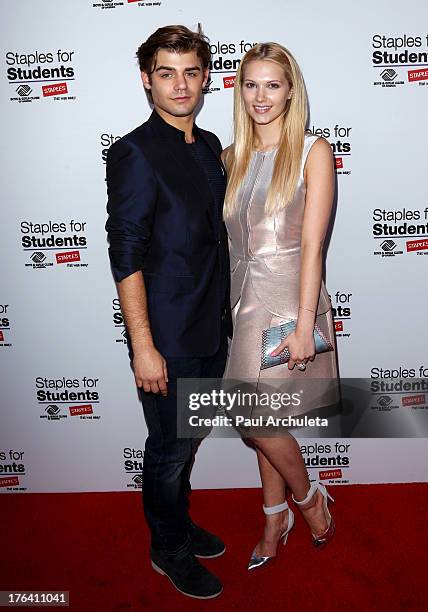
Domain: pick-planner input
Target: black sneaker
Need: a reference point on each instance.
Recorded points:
(204, 544)
(187, 574)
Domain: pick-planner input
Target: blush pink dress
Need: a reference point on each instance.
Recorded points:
(265, 278)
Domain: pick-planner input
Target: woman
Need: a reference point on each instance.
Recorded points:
(277, 210)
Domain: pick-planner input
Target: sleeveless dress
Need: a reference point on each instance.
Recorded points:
(265, 279)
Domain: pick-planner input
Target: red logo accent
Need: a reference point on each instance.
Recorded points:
(229, 82)
(328, 474)
(11, 481)
(66, 257)
(1, 336)
(413, 400)
(58, 89)
(338, 326)
(129, 1)
(339, 162)
(416, 245)
(417, 75)
(85, 409)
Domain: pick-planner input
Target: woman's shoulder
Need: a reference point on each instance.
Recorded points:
(227, 154)
(315, 143)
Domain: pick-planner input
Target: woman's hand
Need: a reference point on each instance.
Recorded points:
(301, 346)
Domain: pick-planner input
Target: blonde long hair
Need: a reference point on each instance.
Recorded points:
(289, 154)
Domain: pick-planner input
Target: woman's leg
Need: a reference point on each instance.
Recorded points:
(273, 494)
(284, 455)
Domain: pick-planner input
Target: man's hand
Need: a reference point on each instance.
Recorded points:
(150, 371)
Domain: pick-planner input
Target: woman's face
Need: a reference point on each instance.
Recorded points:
(265, 91)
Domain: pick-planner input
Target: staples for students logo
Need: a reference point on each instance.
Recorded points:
(338, 326)
(11, 481)
(339, 162)
(78, 410)
(66, 257)
(54, 90)
(413, 400)
(229, 81)
(328, 474)
(417, 75)
(416, 245)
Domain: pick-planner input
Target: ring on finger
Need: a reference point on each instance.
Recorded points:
(301, 366)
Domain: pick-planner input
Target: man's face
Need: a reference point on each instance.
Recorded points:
(176, 82)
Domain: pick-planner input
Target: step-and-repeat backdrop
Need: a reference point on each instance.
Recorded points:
(70, 86)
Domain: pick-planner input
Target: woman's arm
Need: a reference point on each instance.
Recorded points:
(319, 180)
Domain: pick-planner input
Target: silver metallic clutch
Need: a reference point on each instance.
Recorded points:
(272, 337)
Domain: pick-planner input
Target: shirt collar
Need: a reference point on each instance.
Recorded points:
(169, 131)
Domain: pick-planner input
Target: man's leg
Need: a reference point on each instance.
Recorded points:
(167, 461)
(203, 543)
(165, 474)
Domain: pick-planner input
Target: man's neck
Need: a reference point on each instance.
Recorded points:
(185, 124)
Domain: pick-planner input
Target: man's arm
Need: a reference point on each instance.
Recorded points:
(148, 364)
(131, 188)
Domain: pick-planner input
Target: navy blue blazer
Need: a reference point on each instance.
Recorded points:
(163, 220)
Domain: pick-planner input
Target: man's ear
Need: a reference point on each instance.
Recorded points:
(146, 80)
(206, 73)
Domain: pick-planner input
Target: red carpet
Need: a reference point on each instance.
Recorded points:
(95, 546)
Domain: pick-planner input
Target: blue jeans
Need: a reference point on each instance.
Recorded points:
(168, 459)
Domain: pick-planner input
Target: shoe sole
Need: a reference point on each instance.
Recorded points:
(160, 571)
(211, 556)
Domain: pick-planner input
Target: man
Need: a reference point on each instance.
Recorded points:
(168, 252)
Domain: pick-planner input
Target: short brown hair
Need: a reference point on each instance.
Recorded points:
(176, 38)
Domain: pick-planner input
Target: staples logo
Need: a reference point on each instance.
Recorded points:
(338, 162)
(54, 90)
(77, 410)
(413, 400)
(65, 257)
(11, 481)
(327, 474)
(1, 336)
(417, 75)
(338, 326)
(229, 82)
(416, 245)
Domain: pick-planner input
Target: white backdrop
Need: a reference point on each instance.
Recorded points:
(70, 419)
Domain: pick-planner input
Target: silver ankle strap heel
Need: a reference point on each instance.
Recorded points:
(322, 539)
(257, 561)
